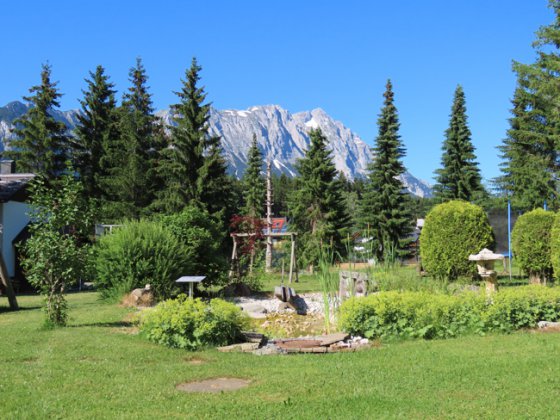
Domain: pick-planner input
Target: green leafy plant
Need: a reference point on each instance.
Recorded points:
(329, 284)
(55, 255)
(192, 323)
(452, 231)
(139, 253)
(531, 244)
(428, 315)
(201, 236)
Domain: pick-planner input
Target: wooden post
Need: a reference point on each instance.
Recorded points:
(292, 258)
(233, 257)
(7, 284)
(295, 258)
(268, 259)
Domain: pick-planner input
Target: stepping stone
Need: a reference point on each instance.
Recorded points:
(327, 340)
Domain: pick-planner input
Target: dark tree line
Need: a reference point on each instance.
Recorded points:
(129, 163)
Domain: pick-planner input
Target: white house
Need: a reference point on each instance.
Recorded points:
(13, 211)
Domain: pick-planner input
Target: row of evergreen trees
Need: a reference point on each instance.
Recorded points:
(129, 164)
(132, 165)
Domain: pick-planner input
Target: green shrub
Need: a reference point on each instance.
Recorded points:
(140, 253)
(531, 244)
(452, 231)
(191, 323)
(426, 315)
(555, 246)
(412, 314)
(522, 307)
(202, 238)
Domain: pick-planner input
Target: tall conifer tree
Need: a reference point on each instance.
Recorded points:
(531, 161)
(384, 211)
(42, 145)
(254, 189)
(459, 176)
(132, 177)
(195, 170)
(96, 134)
(317, 207)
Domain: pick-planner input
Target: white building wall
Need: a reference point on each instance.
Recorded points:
(14, 218)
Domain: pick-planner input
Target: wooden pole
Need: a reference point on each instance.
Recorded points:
(295, 258)
(233, 258)
(7, 284)
(268, 259)
(292, 259)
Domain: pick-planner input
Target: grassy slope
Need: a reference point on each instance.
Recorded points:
(93, 370)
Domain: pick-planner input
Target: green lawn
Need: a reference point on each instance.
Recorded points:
(94, 369)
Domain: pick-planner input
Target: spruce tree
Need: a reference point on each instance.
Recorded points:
(214, 186)
(530, 151)
(42, 145)
(459, 176)
(96, 133)
(317, 208)
(132, 157)
(195, 170)
(384, 209)
(526, 178)
(254, 190)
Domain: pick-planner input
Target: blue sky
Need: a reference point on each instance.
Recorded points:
(335, 55)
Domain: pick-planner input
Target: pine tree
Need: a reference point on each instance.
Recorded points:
(96, 134)
(317, 208)
(131, 159)
(526, 178)
(214, 187)
(41, 146)
(195, 170)
(254, 190)
(385, 214)
(459, 176)
(530, 151)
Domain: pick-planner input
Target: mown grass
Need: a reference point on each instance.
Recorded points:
(95, 369)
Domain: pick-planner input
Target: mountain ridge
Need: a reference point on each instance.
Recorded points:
(282, 137)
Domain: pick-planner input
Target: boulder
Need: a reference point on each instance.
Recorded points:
(139, 297)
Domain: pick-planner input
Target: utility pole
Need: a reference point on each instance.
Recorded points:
(268, 260)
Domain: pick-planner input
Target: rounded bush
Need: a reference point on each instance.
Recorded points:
(140, 253)
(452, 231)
(192, 323)
(531, 243)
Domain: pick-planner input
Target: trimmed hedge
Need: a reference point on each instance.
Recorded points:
(425, 315)
(192, 323)
(452, 231)
(531, 243)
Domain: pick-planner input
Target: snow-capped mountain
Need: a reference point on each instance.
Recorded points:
(282, 137)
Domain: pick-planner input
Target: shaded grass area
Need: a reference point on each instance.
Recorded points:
(98, 370)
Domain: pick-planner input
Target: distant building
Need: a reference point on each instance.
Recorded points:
(13, 214)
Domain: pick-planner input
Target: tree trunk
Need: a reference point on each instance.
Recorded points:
(5, 279)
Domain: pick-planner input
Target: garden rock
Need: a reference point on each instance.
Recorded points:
(214, 385)
(139, 297)
(548, 324)
(241, 347)
(254, 310)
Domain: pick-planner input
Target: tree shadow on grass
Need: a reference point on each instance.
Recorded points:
(6, 309)
(114, 324)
